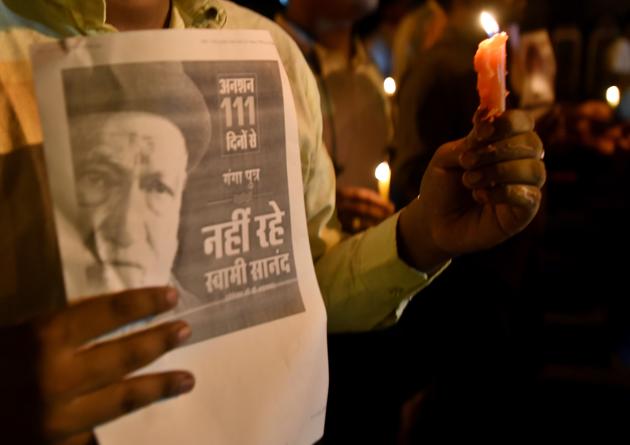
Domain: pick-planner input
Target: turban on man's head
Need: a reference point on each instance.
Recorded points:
(160, 88)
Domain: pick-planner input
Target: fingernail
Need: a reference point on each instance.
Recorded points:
(185, 384)
(183, 333)
(468, 159)
(171, 297)
(473, 177)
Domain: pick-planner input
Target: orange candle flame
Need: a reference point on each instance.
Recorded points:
(489, 24)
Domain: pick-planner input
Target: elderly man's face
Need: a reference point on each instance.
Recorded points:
(130, 173)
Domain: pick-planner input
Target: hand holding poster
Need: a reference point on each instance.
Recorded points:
(172, 163)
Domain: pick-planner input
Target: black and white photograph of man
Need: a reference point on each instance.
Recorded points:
(156, 189)
(131, 160)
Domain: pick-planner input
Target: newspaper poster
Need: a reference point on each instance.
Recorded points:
(173, 159)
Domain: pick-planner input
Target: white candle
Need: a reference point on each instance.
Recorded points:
(384, 176)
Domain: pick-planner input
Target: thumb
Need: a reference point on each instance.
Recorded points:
(448, 154)
(488, 130)
(483, 128)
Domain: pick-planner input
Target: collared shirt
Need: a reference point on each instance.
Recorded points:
(357, 114)
(364, 282)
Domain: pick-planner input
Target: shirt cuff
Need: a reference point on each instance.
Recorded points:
(380, 267)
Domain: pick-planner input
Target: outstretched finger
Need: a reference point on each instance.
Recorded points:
(98, 316)
(523, 146)
(105, 363)
(87, 412)
(520, 171)
(524, 196)
(361, 194)
(364, 210)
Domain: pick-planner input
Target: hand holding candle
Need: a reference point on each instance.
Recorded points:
(490, 67)
(360, 208)
(480, 190)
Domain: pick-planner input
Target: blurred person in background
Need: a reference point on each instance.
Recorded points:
(356, 111)
(358, 128)
(417, 32)
(618, 58)
(599, 121)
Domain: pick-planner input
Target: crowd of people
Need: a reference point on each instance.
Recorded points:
(468, 236)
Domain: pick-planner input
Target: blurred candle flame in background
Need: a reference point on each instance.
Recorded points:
(389, 86)
(613, 96)
(384, 175)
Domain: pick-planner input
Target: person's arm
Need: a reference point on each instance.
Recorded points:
(367, 279)
(364, 281)
(56, 387)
